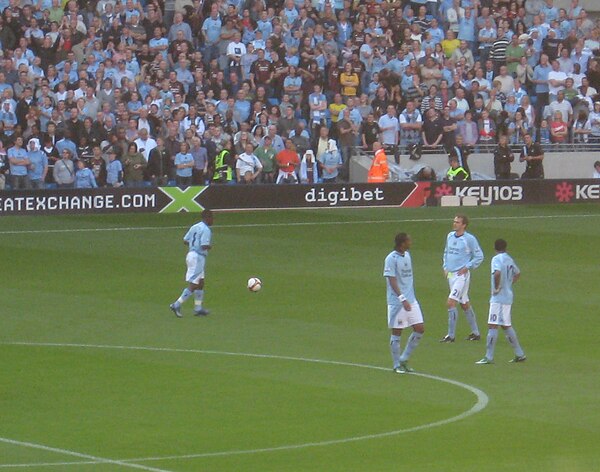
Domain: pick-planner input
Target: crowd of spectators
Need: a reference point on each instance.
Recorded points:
(157, 92)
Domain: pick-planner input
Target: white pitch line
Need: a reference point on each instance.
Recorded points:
(482, 401)
(293, 223)
(93, 459)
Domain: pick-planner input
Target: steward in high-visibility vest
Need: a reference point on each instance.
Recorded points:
(379, 171)
(223, 167)
(456, 172)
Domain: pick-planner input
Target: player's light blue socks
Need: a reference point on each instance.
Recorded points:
(452, 315)
(187, 293)
(198, 297)
(492, 337)
(470, 314)
(511, 337)
(413, 342)
(395, 349)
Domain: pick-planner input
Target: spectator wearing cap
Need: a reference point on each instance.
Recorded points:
(114, 169)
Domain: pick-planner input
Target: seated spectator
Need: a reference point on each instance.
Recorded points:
(596, 173)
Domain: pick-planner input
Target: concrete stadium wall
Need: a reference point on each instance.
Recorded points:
(557, 165)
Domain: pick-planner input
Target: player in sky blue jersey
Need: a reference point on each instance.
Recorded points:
(198, 240)
(403, 308)
(505, 273)
(461, 254)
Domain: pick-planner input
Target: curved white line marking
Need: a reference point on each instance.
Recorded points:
(482, 401)
(296, 223)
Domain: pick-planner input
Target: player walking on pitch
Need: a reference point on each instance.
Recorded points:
(403, 308)
(198, 240)
(504, 274)
(461, 254)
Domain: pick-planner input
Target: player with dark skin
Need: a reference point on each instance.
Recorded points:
(402, 247)
(207, 217)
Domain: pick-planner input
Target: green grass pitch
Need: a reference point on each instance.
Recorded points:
(197, 405)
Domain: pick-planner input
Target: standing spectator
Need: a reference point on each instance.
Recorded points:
(4, 166)
(19, 165)
(503, 156)
(287, 162)
(114, 169)
(533, 155)
(84, 177)
(558, 129)
(38, 164)
(184, 163)
(309, 173)
(468, 130)
(64, 170)
(134, 166)
(540, 79)
(330, 163)
(248, 166)
(411, 123)
(369, 132)
(389, 125)
(432, 130)
(200, 154)
(266, 156)
(159, 164)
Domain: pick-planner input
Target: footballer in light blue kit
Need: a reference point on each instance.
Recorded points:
(198, 240)
(461, 254)
(505, 273)
(403, 308)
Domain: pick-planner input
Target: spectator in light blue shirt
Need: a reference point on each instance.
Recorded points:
(466, 28)
(114, 170)
(211, 31)
(184, 163)
(38, 164)
(180, 25)
(84, 177)
(19, 163)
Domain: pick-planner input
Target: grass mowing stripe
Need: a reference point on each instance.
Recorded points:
(298, 223)
(482, 399)
(94, 459)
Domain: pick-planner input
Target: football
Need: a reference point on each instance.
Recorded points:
(254, 284)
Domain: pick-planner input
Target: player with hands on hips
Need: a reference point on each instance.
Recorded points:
(461, 254)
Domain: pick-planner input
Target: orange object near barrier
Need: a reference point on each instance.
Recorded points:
(379, 171)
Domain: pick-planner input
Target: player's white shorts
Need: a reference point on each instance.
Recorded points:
(195, 267)
(459, 286)
(399, 318)
(499, 314)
